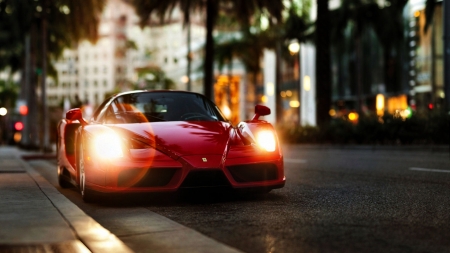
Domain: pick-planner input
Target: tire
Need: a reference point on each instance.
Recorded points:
(87, 194)
(62, 181)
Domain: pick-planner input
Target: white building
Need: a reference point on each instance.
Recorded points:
(92, 71)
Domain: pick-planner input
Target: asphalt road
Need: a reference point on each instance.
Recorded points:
(335, 200)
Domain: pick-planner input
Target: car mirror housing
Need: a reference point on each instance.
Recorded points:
(75, 114)
(260, 110)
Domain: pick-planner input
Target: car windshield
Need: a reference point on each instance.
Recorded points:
(163, 106)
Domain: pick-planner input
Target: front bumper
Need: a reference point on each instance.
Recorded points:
(159, 173)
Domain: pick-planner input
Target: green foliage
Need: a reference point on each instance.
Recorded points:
(8, 93)
(241, 10)
(15, 19)
(153, 78)
(371, 130)
(68, 22)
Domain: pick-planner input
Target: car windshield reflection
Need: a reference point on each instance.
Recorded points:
(162, 106)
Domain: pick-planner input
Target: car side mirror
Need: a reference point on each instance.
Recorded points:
(260, 110)
(76, 114)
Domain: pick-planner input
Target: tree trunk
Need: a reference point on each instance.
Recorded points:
(278, 79)
(189, 53)
(25, 141)
(208, 82)
(359, 74)
(45, 146)
(447, 54)
(32, 117)
(323, 61)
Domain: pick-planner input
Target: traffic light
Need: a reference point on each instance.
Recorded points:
(18, 127)
(23, 110)
(430, 106)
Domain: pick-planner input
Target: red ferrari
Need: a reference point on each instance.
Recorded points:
(155, 141)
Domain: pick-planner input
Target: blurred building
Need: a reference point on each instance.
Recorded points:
(409, 78)
(163, 46)
(426, 75)
(129, 57)
(89, 72)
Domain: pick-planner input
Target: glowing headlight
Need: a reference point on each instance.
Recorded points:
(108, 145)
(266, 140)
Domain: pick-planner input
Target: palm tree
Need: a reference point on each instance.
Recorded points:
(88, 12)
(392, 40)
(242, 9)
(323, 63)
(390, 37)
(62, 23)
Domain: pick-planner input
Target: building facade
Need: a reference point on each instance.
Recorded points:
(90, 72)
(408, 78)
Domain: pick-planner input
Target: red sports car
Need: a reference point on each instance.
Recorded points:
(155, 141)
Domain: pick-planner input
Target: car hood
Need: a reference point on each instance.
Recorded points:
(181, 138)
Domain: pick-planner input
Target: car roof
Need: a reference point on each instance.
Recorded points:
(154, 91)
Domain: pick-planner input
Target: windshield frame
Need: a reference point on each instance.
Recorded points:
(179, 102)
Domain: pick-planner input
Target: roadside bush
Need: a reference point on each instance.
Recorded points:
(433, 128)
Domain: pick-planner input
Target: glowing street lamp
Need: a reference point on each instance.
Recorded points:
(380, 104)
(3, 111)
(294, 48)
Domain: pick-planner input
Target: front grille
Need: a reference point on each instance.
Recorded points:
(205, 178)
(154, 177)
(254, 172)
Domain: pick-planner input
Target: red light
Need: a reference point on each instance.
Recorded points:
(430, 106)
(18, 126)
(23, 110)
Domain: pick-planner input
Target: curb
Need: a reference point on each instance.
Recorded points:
(95, 237)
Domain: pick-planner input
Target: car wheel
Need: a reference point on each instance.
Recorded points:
(86, 194)
(62, 181)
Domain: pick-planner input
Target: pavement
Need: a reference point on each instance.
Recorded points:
(36, 217)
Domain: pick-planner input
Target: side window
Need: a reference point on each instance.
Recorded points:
(109, 117)
(99, 110)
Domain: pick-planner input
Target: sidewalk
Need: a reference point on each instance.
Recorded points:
(35, 217)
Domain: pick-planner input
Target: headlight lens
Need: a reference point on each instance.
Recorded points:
(108, 145)
(266, 140)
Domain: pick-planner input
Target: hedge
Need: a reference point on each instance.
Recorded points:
(433, 128)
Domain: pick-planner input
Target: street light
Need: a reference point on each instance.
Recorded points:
(294, 47)
(3, 111)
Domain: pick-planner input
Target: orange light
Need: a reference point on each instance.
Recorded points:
(353, 116)
(380, 104)
(17, 137)
(18, 126)
(264, 99)
(294, 103)
(332, 112)
(23, 110)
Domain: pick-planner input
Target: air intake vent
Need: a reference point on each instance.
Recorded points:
(254, 172)
(154, 177)
(205, 178)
